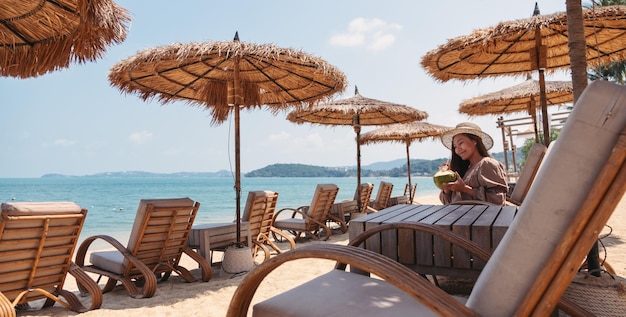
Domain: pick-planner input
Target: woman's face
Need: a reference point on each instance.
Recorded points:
(464, 146)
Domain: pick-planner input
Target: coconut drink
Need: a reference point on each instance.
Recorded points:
(444, 175)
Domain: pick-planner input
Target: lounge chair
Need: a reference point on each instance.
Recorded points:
(259, 213)
(156, 243)
(407, 197)
(533, 161)
(310, 220)
(37, 242)
(344, 210)
(382, 197)
(572, 197)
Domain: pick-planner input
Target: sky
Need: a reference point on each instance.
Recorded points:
(74, 122)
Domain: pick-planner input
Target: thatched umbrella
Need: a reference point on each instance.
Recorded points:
(357, 111)
(40, 36)
(405, 133)
(223, 77)
(519, 98)
(539, 43)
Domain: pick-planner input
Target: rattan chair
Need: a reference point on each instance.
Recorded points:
(157, 241)
(37, 242)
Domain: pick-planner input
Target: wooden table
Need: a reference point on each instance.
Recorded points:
(216, 236)
(427, 254)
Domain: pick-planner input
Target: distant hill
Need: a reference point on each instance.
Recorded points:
(381, 166)
(222, 173)
(395, 168)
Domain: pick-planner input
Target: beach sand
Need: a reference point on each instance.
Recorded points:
(177, 298)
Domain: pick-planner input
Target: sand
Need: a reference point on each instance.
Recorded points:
(177, 298)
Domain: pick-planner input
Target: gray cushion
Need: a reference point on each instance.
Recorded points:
(111, 261)
(297, 224)
(564, 180)
(339, 293)
(29, 208)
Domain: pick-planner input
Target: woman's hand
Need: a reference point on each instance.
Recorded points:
(458, 186)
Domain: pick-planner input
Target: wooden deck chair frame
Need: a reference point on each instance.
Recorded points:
(343, 211)
(259, 213)
(157, 242)
(522, 277)
(533, 161)
(382, 197)
(37, 242)
(310, 220)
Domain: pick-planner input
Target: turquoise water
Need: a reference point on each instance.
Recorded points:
(112, 202)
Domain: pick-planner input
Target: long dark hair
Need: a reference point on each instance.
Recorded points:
(461, 166)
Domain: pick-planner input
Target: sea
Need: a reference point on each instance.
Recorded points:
(112, 202)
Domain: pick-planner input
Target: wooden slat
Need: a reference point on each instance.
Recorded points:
(465, 226)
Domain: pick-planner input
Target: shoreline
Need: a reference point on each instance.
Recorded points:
(175, 297)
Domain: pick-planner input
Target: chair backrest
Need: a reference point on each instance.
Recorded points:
(37, 242)
(543, 234)
(410, 192)
(535, 156)
(366, 194)
(160, 232)
(322, 202)
(259, 211)
(383, 195)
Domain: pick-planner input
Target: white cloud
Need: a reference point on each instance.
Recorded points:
(63, 142)
(282, 135)
(374, 34)
(140, 137)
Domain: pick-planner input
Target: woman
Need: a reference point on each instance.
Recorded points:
(479, 176)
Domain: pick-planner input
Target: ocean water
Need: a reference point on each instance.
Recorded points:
(112, 202)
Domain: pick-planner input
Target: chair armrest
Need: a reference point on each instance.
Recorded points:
(6, 307)
(150, 282)
(389, 270)
(295, 211)
(205, 266)
(478, 251)
(86, 285)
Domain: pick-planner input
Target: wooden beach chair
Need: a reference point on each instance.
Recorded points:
(259, 213)
(572, 197)
(382, 197)
(37, 242)
(344, 210)
(533, 161)
(310, 220)
(156, 243)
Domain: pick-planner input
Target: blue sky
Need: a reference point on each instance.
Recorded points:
(73, 122)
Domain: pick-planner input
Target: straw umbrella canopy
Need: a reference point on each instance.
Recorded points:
(539, 43)
(223, 77)
(519, 98)
(40, 36)
(406, 133)
(356, 111)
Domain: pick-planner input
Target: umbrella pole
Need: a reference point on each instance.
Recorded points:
(356, 122)
(237, 101)
(544, 109)
(541, 63)
(408, 168)
(237, 176)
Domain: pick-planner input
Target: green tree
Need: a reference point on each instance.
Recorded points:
(525, 149)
